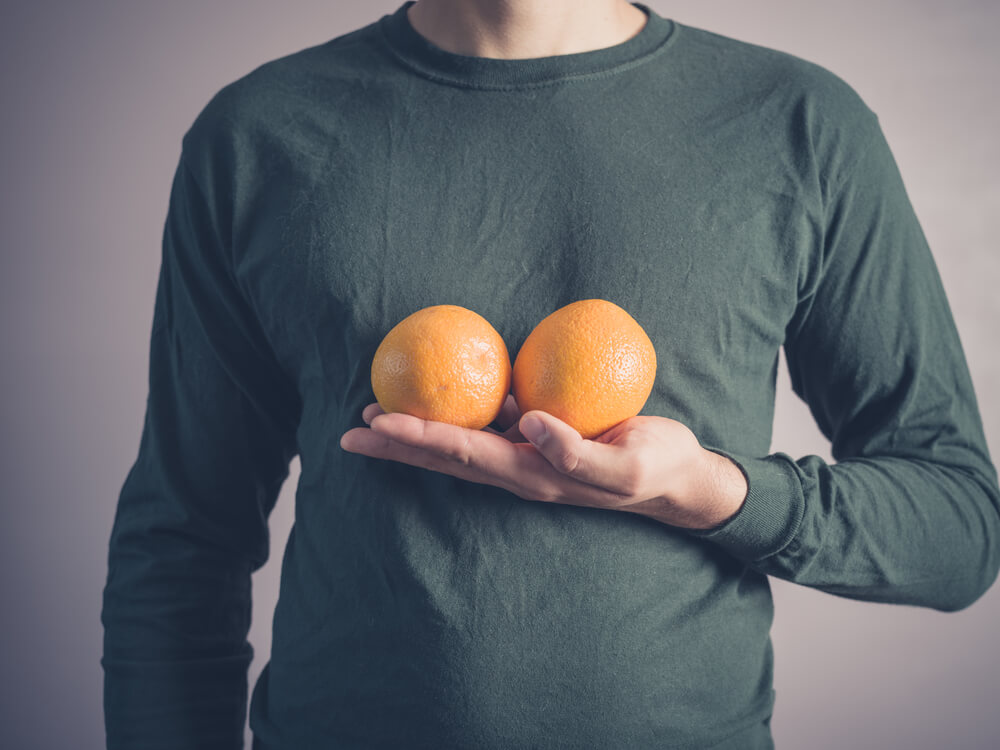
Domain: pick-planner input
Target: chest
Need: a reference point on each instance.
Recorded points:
(514, 222)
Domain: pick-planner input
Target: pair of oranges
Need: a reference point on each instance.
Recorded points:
(589, 363)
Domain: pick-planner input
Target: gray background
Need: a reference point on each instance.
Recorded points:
(95, 97)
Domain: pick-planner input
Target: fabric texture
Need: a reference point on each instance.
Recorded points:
(737, 201)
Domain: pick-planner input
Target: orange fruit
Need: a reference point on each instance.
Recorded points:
(444, 363)
(589, 363)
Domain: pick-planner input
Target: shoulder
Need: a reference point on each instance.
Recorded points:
(272, 98)
(799, 107)
(758, 70)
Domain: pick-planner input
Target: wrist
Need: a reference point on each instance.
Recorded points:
(710, 493)
(717, 491)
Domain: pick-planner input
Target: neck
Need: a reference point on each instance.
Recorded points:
(519, 29)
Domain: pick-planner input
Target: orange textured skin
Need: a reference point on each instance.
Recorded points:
(589, 363)
(445, 363)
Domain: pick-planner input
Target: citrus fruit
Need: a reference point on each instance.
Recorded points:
(445, 363)
(589, 363)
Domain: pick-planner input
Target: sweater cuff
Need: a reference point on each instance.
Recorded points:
(771, 513)
(161, 704)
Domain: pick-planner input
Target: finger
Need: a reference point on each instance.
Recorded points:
(509, 414)
(607, 466)
(448, 441)
(520, 468)
(370, 412)
(370, 443)
(363, 440)
(513, 434)
(443, 455)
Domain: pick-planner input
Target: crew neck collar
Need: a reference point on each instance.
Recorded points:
(438, 64)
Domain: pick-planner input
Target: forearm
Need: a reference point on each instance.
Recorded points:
(175, 658)
(191, 523)
(910, 513)
(887, 529)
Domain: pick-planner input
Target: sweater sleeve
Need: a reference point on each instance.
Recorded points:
(910, 511)
(191, 520)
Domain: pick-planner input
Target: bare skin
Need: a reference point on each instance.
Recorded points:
(518, 29)
(652, 466)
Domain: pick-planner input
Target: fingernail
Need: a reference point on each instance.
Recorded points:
(533, 429)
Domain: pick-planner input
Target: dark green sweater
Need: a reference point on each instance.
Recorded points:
(735, 200)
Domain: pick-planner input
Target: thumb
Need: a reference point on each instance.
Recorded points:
(563, 447)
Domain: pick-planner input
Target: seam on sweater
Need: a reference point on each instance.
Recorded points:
(228, 254)
(859, 158)
(576, 78)
(805, 302)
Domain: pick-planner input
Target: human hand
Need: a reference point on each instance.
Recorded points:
(652, 466)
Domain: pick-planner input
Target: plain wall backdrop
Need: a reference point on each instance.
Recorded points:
(96, 97)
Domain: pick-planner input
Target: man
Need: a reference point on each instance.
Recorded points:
(512, 157)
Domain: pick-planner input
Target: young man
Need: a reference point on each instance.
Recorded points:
(439, 588)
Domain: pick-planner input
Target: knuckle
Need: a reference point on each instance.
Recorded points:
(544, 494)
(456, 448)
(614, 500)
(462, 451)
(633, 480)
(552, 496)
(566, 461)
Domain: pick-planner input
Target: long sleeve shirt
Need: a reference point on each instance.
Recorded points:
(741, 203)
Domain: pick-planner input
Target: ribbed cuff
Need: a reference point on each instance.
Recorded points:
(184, 704)
(771, 513)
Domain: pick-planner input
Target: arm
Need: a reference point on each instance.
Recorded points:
(909, 513)
(191, 523)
